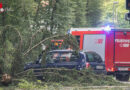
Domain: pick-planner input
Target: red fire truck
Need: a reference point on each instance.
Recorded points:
(113, 45)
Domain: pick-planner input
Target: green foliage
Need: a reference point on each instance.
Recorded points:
(12, 27)
(115, 13)
(70, 40)
(80, 12)
(57, 78)
(93, 12)
(55, 18)
(17, 63)
(71, 76)
(27, 85)
(24, 84)
(8, 49)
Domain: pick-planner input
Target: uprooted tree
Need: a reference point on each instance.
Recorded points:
(14, 55)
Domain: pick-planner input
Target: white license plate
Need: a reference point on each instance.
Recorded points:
(99, 67)
(123, 69)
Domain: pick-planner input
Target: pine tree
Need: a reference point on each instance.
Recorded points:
(80, 12)
(57, 17)
(14, 24)
(93, 12)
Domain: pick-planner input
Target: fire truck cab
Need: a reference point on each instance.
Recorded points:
(113, 45)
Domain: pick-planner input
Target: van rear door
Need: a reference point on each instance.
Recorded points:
(122, 48)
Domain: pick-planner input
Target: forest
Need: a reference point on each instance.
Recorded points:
(25, 23)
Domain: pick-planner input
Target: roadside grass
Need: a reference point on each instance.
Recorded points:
(51, 87)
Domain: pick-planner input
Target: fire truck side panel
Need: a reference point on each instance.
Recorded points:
(122, 49)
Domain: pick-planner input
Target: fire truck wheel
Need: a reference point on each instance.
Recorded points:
(122, 77)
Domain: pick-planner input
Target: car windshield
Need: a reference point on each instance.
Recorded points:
(55, 57)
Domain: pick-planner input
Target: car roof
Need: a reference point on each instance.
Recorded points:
(91, 52)
(62, 50)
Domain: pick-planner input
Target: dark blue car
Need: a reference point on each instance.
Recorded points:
(70, 59)
(79, 60)
(60, 58)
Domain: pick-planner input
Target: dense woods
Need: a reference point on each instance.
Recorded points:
(26, 22)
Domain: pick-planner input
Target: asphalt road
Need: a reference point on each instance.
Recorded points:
(124, 86)
(97, 88)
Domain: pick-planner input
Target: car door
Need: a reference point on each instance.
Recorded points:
(95, 61)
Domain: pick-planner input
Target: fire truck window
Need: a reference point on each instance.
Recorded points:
(78, 39)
